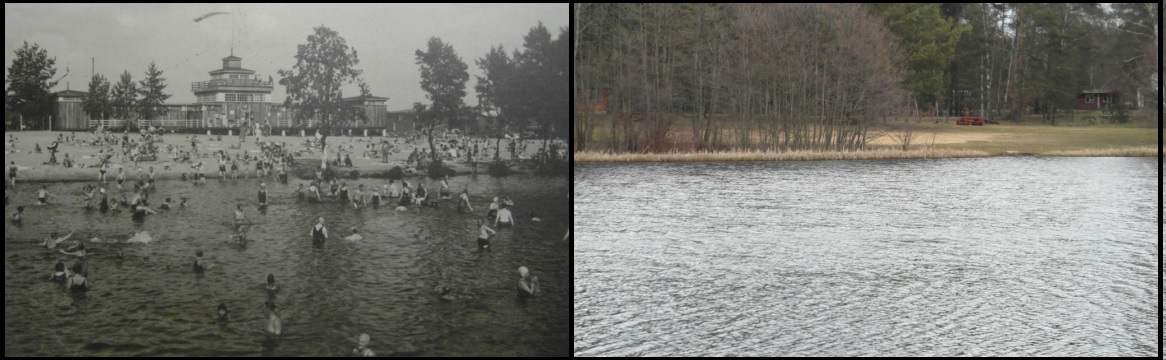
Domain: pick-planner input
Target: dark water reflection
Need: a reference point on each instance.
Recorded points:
(968, 257)
(151, 304)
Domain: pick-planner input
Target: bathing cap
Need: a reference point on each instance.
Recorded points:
(523, 271)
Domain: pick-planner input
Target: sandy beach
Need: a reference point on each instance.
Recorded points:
(32, 167)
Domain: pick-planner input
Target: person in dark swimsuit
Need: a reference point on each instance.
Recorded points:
(78, 283)
(344, 191)
(60, 275)
(319, 234)
(527, 285)
(222, 310)
(235, 170)
(198, 267)
(262, 194)
(103, 204)
(12, 172)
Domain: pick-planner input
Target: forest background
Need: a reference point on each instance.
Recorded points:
(838, 77)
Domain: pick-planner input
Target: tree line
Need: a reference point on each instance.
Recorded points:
(520, 90)
(818, 77)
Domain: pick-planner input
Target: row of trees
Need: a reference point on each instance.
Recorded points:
(529, 88)
(1021, 59)
(817, 76)
(792, 76)
(127, 99)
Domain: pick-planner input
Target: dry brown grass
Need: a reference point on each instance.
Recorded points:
(1140, 151)
(779, 156)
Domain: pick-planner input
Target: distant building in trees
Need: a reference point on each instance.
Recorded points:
(1096, 99)
(599, 103)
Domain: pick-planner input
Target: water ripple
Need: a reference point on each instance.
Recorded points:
(970, 257)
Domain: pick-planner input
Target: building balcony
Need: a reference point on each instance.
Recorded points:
(232, 85)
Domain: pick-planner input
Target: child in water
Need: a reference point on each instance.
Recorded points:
(222, 319)
(362, 349)
(271, 287)
(60, 275)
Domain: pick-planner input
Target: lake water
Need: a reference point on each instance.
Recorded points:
(152, 304)
(1006, 256)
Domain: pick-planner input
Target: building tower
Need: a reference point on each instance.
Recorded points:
(233, 95)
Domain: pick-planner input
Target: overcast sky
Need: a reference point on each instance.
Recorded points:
(385, 36)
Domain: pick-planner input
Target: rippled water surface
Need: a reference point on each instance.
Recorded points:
(963, 257)
(152, 304)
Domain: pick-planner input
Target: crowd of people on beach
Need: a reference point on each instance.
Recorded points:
(271, 163)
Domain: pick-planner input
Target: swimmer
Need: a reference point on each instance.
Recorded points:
(394, 189)
(355, 236)
(504, 217)
(300, 193)
(273, 322)
(43, 194)
(362, 349)
(165, 204)
(271, 287)
(235, 169)
(12, 172)
(78, 282)
(319, 233)
(527, 286)
(104, 168)
(420, 198)
(60, 275)
(121, 177)
(183, 203)
(466, 200)
(262, 194)
(445, 187)
(484, 234)
(78, 251)
(141, 211)
(508, 202)
(150, 179)
(493, 212)
(240, 217)
(222, 319)
(52, 241)
(316, 191)
(199, 268)
(242, 235)
(16, 215)
(534, 218)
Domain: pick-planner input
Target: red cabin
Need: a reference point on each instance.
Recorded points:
(970, 121)
(1096, 99)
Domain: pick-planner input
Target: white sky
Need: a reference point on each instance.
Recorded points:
(385, 36)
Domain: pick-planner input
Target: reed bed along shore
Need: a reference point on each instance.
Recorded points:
(779, 156)
(877, 154)
(1135, 151)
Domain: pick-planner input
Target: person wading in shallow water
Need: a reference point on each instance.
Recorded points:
(319, 234)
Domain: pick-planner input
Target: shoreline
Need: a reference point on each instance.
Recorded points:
(1138, 151)
(32, 169)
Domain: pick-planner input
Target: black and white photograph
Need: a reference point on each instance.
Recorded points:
(337, 180)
